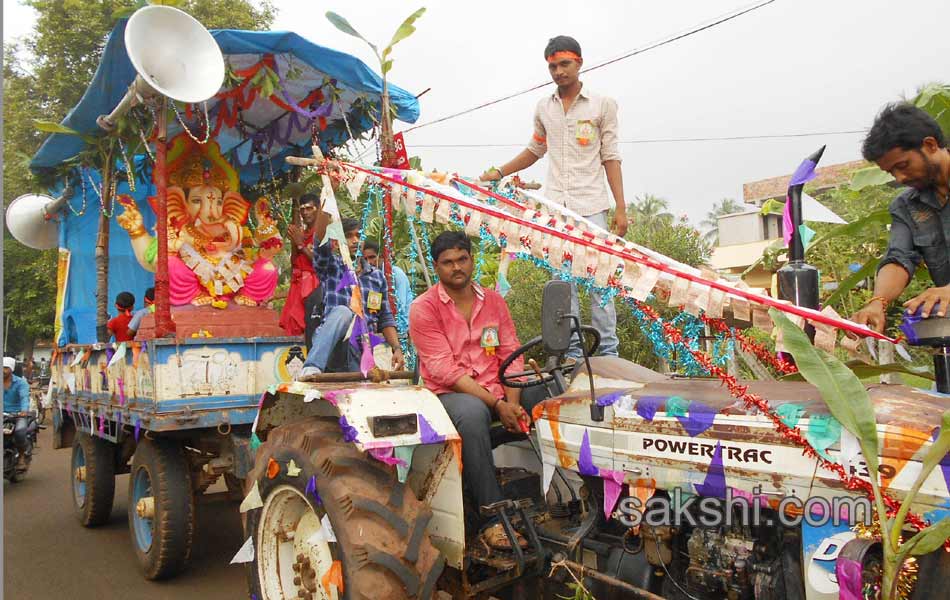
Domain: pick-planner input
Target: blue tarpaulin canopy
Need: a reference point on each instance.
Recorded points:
(347, 101)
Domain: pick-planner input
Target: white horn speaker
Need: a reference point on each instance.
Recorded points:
(29, 219)
(174, 55)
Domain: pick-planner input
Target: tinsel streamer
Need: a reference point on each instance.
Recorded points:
(426, 244)
(794, 435)
(781, 365)
(906, 577)
(373, 193)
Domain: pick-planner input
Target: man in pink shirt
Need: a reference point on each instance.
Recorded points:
(462, 333)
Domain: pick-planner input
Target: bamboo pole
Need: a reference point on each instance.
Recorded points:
(102, 252)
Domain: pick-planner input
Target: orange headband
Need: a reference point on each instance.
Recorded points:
(559, 56)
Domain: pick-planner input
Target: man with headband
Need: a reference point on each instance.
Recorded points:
(578, 130)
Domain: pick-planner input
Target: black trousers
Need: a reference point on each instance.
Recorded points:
(473, 420)
(22, 435)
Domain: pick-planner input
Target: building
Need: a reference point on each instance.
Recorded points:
(743, 237)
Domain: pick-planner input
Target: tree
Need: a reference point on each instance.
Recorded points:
(45, 75)
(650, 211)
(726, 206)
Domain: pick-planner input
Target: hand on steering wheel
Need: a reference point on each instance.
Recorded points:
(531, 378)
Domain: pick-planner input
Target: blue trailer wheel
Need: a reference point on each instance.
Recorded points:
(93, 479)
(142, 497)
(161, 507)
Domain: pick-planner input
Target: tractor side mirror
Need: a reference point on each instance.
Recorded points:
(555, 326)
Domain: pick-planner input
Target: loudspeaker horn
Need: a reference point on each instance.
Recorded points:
(174, 55)
(30, 220)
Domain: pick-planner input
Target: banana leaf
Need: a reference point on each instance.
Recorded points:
(841, 390)
(863, 370)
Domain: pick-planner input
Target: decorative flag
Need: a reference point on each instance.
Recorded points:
(252, 500)
(585, 459)
(613, 481)
(715, 483)
(428, 434)
(292, 469)
(648, 405)
(245, 554)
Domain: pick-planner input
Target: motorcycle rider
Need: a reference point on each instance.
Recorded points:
(16, 400)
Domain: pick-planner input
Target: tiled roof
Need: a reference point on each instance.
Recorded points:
(776, 187)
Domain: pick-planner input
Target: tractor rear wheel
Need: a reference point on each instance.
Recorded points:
(378, 549)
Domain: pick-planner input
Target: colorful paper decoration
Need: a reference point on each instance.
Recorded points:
(648, 405)
(273, 468)
(613, 481)
(292, 469)
(715, 483)
(585, 459)
(311, 489)
(349, 432)
(823, 431)
(676, 406)
(334, 577)
(252, 500)
(699, 418)
(245, 554)
(428, 435)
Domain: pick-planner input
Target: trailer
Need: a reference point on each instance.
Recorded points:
(175, 407)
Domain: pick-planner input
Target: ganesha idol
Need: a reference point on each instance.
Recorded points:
(212, 257)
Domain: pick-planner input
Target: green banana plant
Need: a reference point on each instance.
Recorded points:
(850, 404)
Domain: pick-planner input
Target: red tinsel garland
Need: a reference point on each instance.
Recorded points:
(781, 365)
(794, 434)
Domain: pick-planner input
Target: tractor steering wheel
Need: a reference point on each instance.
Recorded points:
(530, 378)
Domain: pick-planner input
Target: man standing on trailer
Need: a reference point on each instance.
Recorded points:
(578, 130)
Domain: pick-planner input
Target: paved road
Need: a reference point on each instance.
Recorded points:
(47, 554)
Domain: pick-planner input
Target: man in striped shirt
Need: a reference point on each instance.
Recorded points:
(578, 130)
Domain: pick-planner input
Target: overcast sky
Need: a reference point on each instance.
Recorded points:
(793, 66)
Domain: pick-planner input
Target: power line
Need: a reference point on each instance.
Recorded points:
(667, 140)
(641, 50)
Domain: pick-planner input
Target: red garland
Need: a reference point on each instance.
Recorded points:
(741, 392)
(781, 365)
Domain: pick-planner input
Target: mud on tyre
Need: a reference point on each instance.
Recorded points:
(379, 525)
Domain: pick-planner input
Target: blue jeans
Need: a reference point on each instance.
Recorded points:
(327, 338)
(603, 318)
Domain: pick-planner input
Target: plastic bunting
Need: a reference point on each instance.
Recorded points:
(311, 489)
(648, 405)
(850, 580)
(715, 483)
(334, 577)
(613, 482)
(428, 435)
(611, 398)
(292, 469)
(699, 418)
(252, 500)
(404, 455)
(327, 528)
(385, 455)
(255, 442)
(121, 385)
(273, 468)
(822, 432)
(585, 459)
(944, 462)
(547, 474)
(349, 432)
(790, 413)
(676, 406)
(138, 429)
(118, 355)
(245, 554)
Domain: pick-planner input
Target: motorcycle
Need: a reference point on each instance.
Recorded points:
(11, 454)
